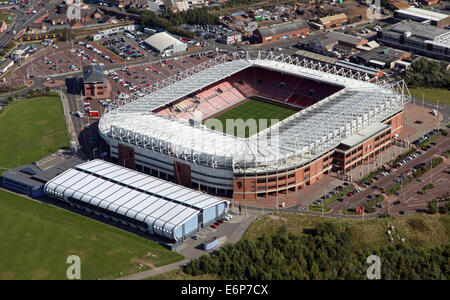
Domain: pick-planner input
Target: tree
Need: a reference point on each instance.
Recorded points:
(432, 207)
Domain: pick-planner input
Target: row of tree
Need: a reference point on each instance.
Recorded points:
(427, 73)
(171, 21)
(323, 253)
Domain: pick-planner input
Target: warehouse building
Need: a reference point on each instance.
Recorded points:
(164, 43)
(419, 38)
(332, 41)
(422, 15)
(334, 20)
(31, 178)
(137, 200)
(281, 32)
(383, 57)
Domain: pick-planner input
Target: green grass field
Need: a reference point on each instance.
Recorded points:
(31, 129)
(6, 17)
(433, 95)
(251, 110)
(37, 238)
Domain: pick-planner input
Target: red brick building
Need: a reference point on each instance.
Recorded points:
(329, 21)
(281, 32)
(95, 84)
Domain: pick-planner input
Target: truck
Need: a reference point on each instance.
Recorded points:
(93, 113)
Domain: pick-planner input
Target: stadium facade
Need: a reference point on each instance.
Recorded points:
(343, 119)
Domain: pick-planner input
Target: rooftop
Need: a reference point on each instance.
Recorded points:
(162, 205)
(162, 40)
(364, 134)
(417, 29)
(93, 74)
(328, 19)
(282, 28)
(423, 13)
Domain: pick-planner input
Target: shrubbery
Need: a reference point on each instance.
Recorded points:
(325, 252)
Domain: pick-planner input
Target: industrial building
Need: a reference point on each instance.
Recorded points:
(31, 178)
(164, 43)
(383, 57)
(95, 84)
(281, 32)
(137, 200)
(419, 38)
(423, 15)
(334, 20)
(327, 44)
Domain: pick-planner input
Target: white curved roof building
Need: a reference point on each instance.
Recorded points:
(135, 199)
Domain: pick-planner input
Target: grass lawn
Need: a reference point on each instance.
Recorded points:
(433, 95)
(37, 238)
(6, 18)
(31, 129)
(252, 110)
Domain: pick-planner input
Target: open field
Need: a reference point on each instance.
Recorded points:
(37, 238)
(254, 110)
(31, 129)
(418, 229)
(433, 95)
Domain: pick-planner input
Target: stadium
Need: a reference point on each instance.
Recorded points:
(322, 118)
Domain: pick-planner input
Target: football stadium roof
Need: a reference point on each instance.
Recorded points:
(296, 140)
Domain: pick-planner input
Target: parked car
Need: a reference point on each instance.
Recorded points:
(402, 212)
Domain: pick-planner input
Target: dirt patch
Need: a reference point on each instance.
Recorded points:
(151, 254)
(140, 262)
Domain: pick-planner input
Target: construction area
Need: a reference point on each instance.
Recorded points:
(248, 21)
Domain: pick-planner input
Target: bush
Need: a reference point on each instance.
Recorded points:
(432, 207)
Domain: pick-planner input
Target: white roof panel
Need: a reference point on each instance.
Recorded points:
(100, 187)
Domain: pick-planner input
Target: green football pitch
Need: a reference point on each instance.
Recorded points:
(37, 238)
(31, 129)
(254, 114)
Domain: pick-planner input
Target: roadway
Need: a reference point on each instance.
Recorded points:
(360, 198)
(22, 19)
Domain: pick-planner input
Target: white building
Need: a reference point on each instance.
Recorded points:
(164, 43)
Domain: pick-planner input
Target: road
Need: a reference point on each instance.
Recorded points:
(361, 197)
(23, 19)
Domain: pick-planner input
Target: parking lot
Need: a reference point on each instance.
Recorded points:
(128, 45)
(64, 58)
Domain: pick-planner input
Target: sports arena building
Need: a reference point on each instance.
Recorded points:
(342, 120)
(137, 200)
